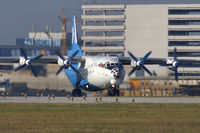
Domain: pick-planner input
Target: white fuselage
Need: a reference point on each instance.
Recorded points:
(103, 71)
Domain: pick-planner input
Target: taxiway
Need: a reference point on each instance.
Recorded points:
(100, 100)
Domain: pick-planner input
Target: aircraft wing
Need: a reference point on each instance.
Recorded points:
(148, 61)
(172, 63)
(162, 62)
(42, 61)
(9, 60)
(155, 61)
(188, 63)
(54, 60)
(125, 60)
(168, 62)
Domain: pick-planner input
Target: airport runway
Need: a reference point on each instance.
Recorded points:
(97, 100)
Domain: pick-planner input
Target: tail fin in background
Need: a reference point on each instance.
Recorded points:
(75, 45)
(74, 33)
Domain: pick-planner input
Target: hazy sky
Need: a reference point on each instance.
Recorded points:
(18, 16)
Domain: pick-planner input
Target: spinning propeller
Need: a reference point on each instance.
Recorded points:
(139, 63)
(27, 62)
(175, 65)
(66, 63)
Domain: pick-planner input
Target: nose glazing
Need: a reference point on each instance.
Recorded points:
(116, 73)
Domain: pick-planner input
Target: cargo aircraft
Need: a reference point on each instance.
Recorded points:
(95, 73)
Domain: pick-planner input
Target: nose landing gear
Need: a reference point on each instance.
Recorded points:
(113, 91)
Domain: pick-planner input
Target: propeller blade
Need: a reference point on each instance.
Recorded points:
(33, 71)
(69, 62)
(73, 68)
(24, 53)
(29, 62)
(133, 57)
(73, 55)
(61, 68)
(132, 71)
(140, 62)
(37, 57)
(20, 67)
(176, 68)
(146, 56)
(176, 74)
(175, 54)
(147, 70)
(59, 55)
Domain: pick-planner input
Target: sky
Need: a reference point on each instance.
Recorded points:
(18, 16)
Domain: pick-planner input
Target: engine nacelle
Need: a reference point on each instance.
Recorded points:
(63, 62)
(170, 61)
(22, 61)
(175, 64)
(133, 63)
(136, 63)
(60, 62)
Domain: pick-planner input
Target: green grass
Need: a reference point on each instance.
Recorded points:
(111, 118)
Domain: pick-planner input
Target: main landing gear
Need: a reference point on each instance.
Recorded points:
(77, 91)
(114, 91)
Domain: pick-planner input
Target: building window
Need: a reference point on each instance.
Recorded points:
(184, 22)
(184, 54)
(183, 33)
(177, 12)
(184, 43)
(182, 12)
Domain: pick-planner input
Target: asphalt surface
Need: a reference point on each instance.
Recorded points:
(97, 100)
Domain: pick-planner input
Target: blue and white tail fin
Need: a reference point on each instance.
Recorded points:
(75, 45)
(72, 75)
(74, 33)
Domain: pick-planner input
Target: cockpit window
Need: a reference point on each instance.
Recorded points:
(109, 65)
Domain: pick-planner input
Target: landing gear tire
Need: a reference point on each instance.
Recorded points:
(113, 92)
(116, 92)
(76, 93)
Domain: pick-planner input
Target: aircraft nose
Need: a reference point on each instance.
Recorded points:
(113, 81)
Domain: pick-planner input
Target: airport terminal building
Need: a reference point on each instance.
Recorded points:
(142, 28)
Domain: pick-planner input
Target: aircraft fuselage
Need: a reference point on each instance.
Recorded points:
(102, 71)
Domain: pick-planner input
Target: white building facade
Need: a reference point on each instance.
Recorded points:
(103, 29)
(145, 27)
(161, 28)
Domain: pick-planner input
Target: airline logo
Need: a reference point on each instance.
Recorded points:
(100, 65)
